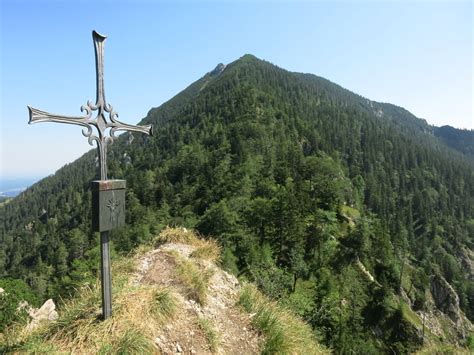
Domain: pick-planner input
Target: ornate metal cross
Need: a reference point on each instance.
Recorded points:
(101, 124)
(102, 108)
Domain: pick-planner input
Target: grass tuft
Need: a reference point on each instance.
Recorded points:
(284, 333)
(211, 334)
(207, 250)
(177, 235)
(164, 304)
(78, 314)
(195, 280)
(131, 342)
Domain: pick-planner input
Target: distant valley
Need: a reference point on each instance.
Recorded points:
(10, 187)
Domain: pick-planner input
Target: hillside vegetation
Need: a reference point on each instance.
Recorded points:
(169, 297)
(350, 212)
(459, 139)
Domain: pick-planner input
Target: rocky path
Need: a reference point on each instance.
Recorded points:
(232, 331)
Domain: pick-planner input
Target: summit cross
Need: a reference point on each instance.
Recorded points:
(108, 206)
(102, 108)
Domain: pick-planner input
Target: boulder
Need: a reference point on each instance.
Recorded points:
(47, 312)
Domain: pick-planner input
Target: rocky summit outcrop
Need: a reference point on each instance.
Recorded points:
(217, 70)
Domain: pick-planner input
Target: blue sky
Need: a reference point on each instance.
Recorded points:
(418, 55)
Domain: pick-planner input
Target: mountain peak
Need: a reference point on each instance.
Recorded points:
(249, 56)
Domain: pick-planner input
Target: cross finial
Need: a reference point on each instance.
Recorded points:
(99, 122)
(99, 42)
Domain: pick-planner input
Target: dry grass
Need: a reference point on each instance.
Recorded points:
(194, 277)
(208, 250)
(178, 235)
(284, 333)
(205, 249)
(138, 312)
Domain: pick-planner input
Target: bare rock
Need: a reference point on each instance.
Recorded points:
(466, 258)
(445, 297)
(160, 342)
(217, 70)
(47, 312)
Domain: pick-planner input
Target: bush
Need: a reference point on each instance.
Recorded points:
(15, 291)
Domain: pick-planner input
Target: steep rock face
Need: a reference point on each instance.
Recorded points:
(442, 315)
(449, 315)
(445, 298)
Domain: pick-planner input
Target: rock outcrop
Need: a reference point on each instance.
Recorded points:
(47, 312)
(466, 259)
(445, 300)
(445, 297)
(217, 70)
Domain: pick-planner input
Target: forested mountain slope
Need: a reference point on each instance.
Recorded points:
(459, 139)
(349, 211)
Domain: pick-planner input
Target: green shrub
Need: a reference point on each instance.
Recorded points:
(15, 291)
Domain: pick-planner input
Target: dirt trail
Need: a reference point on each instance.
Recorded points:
(184, 334)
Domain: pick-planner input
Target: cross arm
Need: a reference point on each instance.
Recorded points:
(43, 116)
(37, 116)
(120, 126)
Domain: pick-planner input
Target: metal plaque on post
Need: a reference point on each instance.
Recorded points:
(108, 204)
